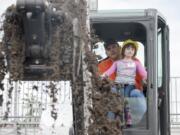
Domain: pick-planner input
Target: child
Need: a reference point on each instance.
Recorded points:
(127, 67)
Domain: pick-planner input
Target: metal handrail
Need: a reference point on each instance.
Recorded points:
(174, 104)
(174, 101)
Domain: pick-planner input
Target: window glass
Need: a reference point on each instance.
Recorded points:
(159, 57)
(135, 106)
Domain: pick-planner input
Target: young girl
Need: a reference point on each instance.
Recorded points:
(127, 67)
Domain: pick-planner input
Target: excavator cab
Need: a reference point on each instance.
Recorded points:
(149, 29)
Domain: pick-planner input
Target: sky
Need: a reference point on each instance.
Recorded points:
(4, 4)
(170, 10)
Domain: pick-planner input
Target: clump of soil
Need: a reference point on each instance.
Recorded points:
(53, 94)
(9, 101)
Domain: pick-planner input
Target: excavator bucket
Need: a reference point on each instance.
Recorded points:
(36, 48)
(37, 23)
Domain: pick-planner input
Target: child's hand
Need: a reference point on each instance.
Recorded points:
(106, 79)
(104, 76)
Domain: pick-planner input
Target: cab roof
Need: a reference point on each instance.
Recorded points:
(95, 16)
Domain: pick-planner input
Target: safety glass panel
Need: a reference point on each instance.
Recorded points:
(134, 112)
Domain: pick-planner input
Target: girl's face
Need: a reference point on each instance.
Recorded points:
(129, 51)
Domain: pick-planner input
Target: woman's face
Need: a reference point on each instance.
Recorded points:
(129, 51)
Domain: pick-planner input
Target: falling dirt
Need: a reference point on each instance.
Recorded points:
(13, 43)
(2, 71)
(61, 59)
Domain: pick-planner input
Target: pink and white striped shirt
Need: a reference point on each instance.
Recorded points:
(126, 71)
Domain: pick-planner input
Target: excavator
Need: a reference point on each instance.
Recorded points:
(39, 20)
